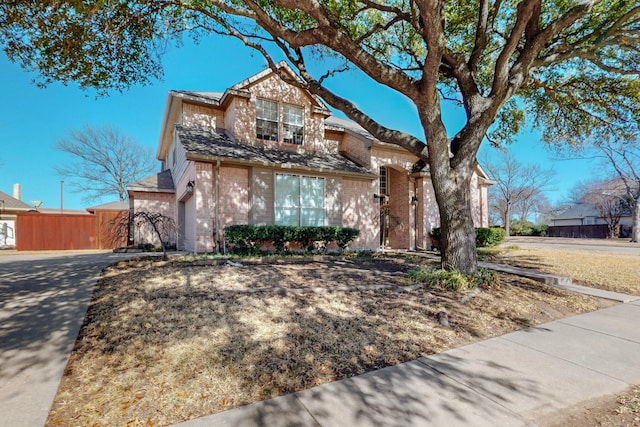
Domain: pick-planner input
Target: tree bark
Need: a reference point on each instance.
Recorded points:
(457, 244)
(635, 226)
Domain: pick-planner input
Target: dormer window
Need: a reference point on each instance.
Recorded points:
(293, 124)
(266, 120)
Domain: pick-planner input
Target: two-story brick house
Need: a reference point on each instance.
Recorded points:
(266, 152)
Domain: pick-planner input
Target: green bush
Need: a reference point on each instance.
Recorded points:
(488, 237)
(540, 230)
(487, 278)
(439, 278)
(247, 239)
(485, 237)
(527, 228)
(453, 280)
(436, 233)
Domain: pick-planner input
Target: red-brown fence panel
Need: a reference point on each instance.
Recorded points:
(112, 231)
(38, 231)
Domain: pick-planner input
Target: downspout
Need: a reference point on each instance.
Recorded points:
(217, 207)
(415, 226)
(414, 202)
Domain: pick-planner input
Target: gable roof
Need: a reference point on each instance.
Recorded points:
(9, 203)
(111, 206)
(578, 211)
(211, 146)
(583, 210)
(199, 96)
(159, 183)
(344, 125)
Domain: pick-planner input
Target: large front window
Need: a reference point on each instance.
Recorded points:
(299, 200)
(266, 120)
(293, 124)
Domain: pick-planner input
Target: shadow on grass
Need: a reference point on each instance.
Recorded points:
(324, 337)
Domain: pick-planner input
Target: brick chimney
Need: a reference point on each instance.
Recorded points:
(17, 191)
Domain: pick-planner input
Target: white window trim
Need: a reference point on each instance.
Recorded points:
(285, 123)
(280, 106)
(300, 206)
(277, 121)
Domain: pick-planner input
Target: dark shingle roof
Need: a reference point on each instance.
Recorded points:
(202, 143)
(9, 203)
(200, 95)
(333, 122)
(579, 210)
(161, 182)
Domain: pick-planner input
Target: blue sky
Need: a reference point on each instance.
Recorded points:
(33, 119)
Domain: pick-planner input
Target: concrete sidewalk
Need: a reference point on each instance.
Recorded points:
(512, 380)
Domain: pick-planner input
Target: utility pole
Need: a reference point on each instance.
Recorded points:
(61, 198)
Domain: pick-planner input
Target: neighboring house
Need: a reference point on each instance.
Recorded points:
(586, 214)
(266, 152)
(583, 220)
(10, 207)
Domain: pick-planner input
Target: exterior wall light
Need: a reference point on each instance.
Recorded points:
(190, 186)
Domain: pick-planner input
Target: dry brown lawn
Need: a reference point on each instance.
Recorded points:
(165, 342)
(612, 271)
(619, 410)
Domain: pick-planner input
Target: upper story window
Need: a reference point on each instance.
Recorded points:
(293, 124)
(266, 120)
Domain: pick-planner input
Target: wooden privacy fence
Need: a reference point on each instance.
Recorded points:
(596, 231)
(38, 231)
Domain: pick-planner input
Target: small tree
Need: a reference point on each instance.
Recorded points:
(105, 160)
(161, 226)
(164, 227)
(608, 198)
(519, 187)
(624, 158)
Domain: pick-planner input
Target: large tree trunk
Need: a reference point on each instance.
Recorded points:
(635, 229)
(458, 243)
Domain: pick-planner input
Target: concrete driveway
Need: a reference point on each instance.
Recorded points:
(43, 300)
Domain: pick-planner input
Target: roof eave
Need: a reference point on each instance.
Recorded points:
(242, 162)
(151, 190)
(163, 129)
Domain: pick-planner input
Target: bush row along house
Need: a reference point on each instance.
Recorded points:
(266, 152)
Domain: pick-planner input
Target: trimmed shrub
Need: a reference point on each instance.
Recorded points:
(485, 237)
(247, 239)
